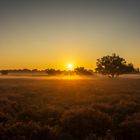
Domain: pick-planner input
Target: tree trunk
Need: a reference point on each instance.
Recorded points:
(112, 76)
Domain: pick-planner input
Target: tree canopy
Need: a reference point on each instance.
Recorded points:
(113, 66)
(83, 71)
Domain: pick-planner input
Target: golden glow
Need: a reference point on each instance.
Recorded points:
(70, 66)
(53, 38)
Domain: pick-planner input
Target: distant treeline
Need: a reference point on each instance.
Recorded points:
(111, 65)
(51, 71)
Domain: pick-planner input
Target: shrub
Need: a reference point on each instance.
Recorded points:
(129, 129)
(81, 122)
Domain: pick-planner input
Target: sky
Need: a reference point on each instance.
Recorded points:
(53, 33)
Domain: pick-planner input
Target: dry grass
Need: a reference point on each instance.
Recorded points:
(40, 100)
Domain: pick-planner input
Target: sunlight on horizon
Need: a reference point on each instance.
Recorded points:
(70, 67)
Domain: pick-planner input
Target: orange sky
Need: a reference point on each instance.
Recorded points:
(64, 33)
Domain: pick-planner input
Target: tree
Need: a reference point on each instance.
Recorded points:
(53, 72)
(50, 71)
(4, 72)
(83, 71)
(113, 66)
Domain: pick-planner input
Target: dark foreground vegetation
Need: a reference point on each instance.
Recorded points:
(96, 109)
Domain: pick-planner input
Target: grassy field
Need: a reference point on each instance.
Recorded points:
(69, 109)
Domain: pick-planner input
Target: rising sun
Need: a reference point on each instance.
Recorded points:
(70, 66)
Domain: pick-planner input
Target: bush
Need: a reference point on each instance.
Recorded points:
(81, 122)
(25, 131)
(130, 128)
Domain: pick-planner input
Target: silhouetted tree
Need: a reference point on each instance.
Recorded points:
(83, 71)
(113, 66)
(26, 70)
(35, 70)
(137, 70)
(4, 72)
(53, 72)
(50, 71)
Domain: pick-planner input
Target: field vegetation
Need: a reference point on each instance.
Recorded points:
(70, 109)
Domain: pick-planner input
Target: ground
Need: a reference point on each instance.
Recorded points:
(49, 101)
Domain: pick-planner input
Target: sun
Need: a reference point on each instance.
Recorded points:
(70, 66)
